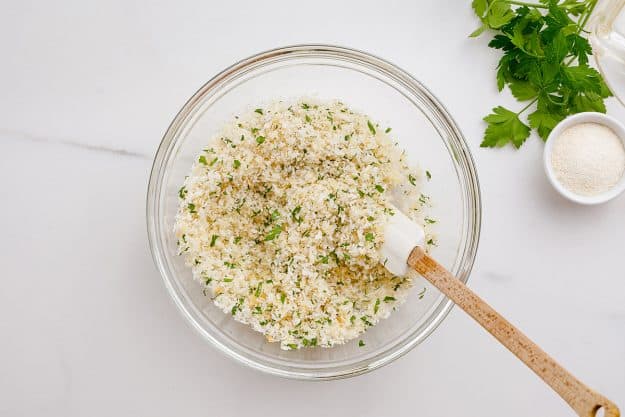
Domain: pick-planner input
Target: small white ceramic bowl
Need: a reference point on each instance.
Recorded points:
(588, 117)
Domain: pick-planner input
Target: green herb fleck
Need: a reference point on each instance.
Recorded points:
(260, 139)
(236, 164)
(429, 220)
(371, 127)
(412, 180)
(421, 294)
(202, 160)
(294, 214)
(259, 111)
(361, 343)
(388, 130)
(237, 239)
(213, 240)
(282, 298)
(213, 162)
(275, 232)
(369, 237)
(258, 289)
(227, 279)
(191, 208)
(376, 307)
(182, 192)
(292, 346)
(428, 175)
(388, 299)
(307, 117)
(379, 188)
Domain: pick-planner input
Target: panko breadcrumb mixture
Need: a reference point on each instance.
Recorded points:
(282, 216)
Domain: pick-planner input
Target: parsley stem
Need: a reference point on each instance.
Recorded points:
(522, 3)
(581, 22)
(526, 107)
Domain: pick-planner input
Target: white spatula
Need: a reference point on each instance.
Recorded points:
(403, 249)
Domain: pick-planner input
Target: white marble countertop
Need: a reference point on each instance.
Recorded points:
(86, 325)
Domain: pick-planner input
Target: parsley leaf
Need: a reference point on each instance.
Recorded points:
(504, 127)
(544, 120)
(523, 90)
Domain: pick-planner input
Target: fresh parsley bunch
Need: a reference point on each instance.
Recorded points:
(545, 62)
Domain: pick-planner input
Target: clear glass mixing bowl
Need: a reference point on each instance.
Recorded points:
(390, 96)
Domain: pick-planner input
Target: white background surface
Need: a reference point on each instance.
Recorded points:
(86, 327)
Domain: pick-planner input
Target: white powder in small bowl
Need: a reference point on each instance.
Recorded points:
(588, 159)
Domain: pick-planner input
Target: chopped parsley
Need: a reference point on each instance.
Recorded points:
(379, 188)
(369, 237)
(202, 160)
(213, 240)
(412, 180)
(361, 343)
(275, 232)
(236, 164)
(260, 139)
(371, 127)
(259, 111)
(182, 192)
(388, 299)
(191, 208)
(294, 214)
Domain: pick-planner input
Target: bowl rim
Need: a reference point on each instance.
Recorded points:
(584, 117)
(463, 158)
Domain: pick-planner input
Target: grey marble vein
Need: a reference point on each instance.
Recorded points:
(67, 142)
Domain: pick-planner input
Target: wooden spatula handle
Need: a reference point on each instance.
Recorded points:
(582, 399)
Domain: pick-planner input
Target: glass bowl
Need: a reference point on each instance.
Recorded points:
(388, 95)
